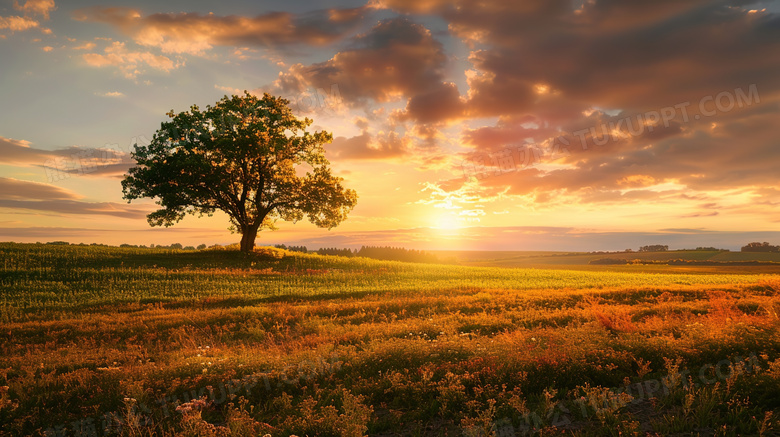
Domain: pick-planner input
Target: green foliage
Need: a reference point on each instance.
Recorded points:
(242, 156)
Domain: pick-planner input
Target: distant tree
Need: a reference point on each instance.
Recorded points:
(608, 261)
(335, 251)
(760, 247)
(176, 246)
(201, 246)
(654, 248)
(301, 249)
(244, 156)
(397, 254)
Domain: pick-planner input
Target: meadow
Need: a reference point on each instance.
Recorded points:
(159, 342)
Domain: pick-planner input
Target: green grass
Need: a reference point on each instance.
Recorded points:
(287, 343)
(579, 259)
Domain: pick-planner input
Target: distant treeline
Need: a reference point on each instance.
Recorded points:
(654, 248)
(175, 246)
(397, 254)
(760, 247)
(336, 251)
(376, 252)
(678, 262)
(301, 249)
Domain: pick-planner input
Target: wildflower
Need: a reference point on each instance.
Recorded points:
(196, 405)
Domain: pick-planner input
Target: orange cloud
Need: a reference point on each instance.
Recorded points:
(85, 46)
(15, 189)
(36, 7)
(382, 146)
(34, 196)
(195, 33)
(62, 163)
(130, 63)
(17, 24)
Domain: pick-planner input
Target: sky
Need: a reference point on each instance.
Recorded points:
(461, 124)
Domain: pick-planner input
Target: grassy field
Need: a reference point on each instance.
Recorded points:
(648, 262)
(141, 342)
(577, 260)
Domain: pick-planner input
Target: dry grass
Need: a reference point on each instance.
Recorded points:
(285, 344)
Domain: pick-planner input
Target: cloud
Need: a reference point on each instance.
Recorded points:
(227, 89)
(394, 60)
(63, 163)
(15, 189)
(30, 8)
(36, 7)
(34, 196)
(17, 24)
(68, 207)
(442, 102)
(114, 94)
(195, 34)
(86, 46)
(507, 132)
(110, 236)
(607, 53)
(384, 145)
(130, 63)
(549, 68)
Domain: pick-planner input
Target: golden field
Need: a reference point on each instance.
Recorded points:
(141, 342)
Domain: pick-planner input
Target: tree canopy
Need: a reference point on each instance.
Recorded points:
(247, 156)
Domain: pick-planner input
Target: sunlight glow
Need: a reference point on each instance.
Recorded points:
(446, 222)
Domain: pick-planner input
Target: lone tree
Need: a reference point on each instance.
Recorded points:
(247, 156)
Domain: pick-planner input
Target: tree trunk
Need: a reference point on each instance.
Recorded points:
(248, 237)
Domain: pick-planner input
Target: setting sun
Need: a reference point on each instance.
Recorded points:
(448, 222)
